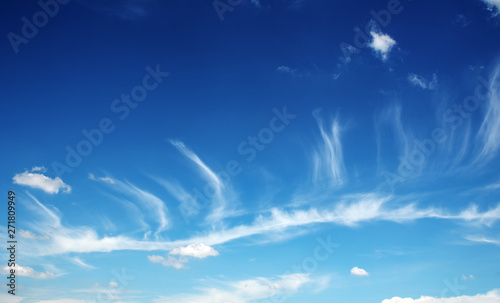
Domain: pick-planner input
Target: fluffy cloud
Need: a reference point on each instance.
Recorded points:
(356, 271)
(199, 251)
(382, 44)
(491, 297)
(493, 4)
(169, 261)
(195, 250)
(29, 272)
(40, 181)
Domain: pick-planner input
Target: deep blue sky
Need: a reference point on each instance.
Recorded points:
(151, 199)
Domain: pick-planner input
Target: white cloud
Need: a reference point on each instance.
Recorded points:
(169, 261)
(155, 206)
(351, 211)
(356, 271)
(188, 206)
(328, 160)
(423, 83)
(29, 235)
(489, 132)
(80, 263)
(41, 169)
(8, 298)
(62, 301)
(288, 70)
(40, 181)
(25, 271)
(381, 44)
(469, 277)
(199, 251)
(493, 4)
(491, 297)
(195, 250)
(219, 201)
(246, 290)
(103, 179)
(113, 284)
(484, 240)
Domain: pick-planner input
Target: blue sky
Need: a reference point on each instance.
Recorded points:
(252, 151)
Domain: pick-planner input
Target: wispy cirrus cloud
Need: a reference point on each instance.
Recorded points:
(154, 205)
(483, 240)
(352, 210)
(328, 159)
(390, 122)
(219, 207)
(189, 206)
(30, 235)
(81, 263)
(420, 81)
(488, 136)
(247, 290)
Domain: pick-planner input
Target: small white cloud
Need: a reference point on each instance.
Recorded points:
(195, 250)
(29, 235)
(41, 169)
(29, 272)
(169, 262)
(382, 44)
(423, 83)
(289, 70)
(103, 179)
(469, 277)
(356, 271)
(80, 263)
(40, 181)
(113, 284)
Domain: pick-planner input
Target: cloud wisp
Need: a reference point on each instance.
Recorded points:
(350, 211)
(328, 160)
(247, 290)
